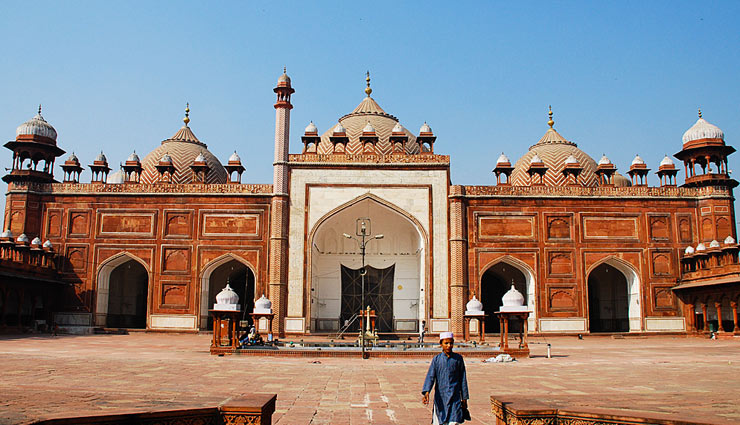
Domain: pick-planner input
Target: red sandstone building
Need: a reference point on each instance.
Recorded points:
(151, 245)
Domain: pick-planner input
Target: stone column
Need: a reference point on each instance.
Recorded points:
(735, 328)
(705, 318)
(718, 306)
(691, 317)
(458, 263)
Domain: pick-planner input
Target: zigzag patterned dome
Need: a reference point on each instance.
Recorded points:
(368, 112)
(554, 151)
(183, 147)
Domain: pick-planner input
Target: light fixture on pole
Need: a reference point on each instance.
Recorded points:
(363, 230)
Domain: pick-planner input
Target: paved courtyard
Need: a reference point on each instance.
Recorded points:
(43, 376)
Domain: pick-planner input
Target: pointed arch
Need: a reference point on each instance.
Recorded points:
(634, 288)
(205, 280)
(103, 283)
(529, 281)
(422, 303)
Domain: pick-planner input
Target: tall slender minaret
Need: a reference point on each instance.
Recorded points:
(278, 268)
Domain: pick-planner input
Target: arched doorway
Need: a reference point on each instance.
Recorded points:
(496, 281)
(128, 286)
(396, 266)
(608, 300)
(240, 277)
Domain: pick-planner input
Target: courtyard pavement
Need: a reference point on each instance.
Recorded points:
(42, 376)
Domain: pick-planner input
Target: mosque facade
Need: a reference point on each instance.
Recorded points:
(366, 214)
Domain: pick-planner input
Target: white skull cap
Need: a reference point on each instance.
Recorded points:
(446, 335)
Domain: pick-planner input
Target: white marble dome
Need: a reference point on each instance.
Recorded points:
(425, 128)
(73, 158)
(133, 157)
(235, 158)
(101, 157)
(638, 161)
(398, 128)
(6, 234)
(571, 160)
(689, 250)
(474, 307)
(535, 159)
(368, 128)
(667, 162)
(714, 243)
(200, 158)
(166, 159)
(701, 247)
(729, 240)
(513, 301)
(311, 128)
(36, 241)
(22, 238)
(703, 130)
(227, 299)
(604, 160)
(284, 78)
(503, 159)
(263, 305)
(339, 129)
(47, 244)
(36, 126)
(116, 177)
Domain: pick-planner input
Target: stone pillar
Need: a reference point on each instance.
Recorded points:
(705, 318)
(718, 306)
(735, 328)
(691, 317)
(458, 263)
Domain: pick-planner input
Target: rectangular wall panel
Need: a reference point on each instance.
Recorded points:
(506, 227)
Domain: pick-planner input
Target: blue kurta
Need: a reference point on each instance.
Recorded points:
(447, 375)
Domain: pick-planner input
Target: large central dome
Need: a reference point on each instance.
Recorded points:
(182, 148)
(554, 150)
(368, 111)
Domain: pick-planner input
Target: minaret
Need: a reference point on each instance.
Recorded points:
(278, 268)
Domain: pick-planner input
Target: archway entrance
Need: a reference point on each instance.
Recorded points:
(495, 283)
(127, 296)
(394, 285)
(241, 279)
(608, 300)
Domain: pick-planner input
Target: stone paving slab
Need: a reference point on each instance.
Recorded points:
(43, 376)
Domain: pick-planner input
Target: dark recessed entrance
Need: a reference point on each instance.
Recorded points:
(608, 300)
(127, 296)
(241, 279)
(495, 283)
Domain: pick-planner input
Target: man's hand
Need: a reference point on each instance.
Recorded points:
(425, 399)
(464, 404)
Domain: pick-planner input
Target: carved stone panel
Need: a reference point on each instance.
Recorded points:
(54, 223)
(174, 295)
(175, 260)
(707, 229)
(661, 263)
(610, 227)
(506, 226)
(663, 298)
(724, 228)
(127, 224)
(177, 224)
(234, 224)
(76, 258)
(79, 223)
(659, 227)
(17, 223)
(558, 227)
(561, 298)
(560, 263)
(684, 229)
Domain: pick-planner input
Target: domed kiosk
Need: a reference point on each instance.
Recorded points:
(513, 307)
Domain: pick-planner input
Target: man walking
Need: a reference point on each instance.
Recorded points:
(447, 374)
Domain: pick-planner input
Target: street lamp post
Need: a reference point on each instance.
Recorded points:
(362, 230)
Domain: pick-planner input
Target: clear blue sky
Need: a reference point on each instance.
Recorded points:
(622, 77)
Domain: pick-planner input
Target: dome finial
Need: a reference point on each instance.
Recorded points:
(549, 113)
(285, 69)
(368, 90)
(39, 109)
(699, 112)
(186, 120)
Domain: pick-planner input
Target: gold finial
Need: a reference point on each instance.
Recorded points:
(699, 112)
(368, 90)
(39, 109)
(285, 69)
(186, 120)
(550, 122)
